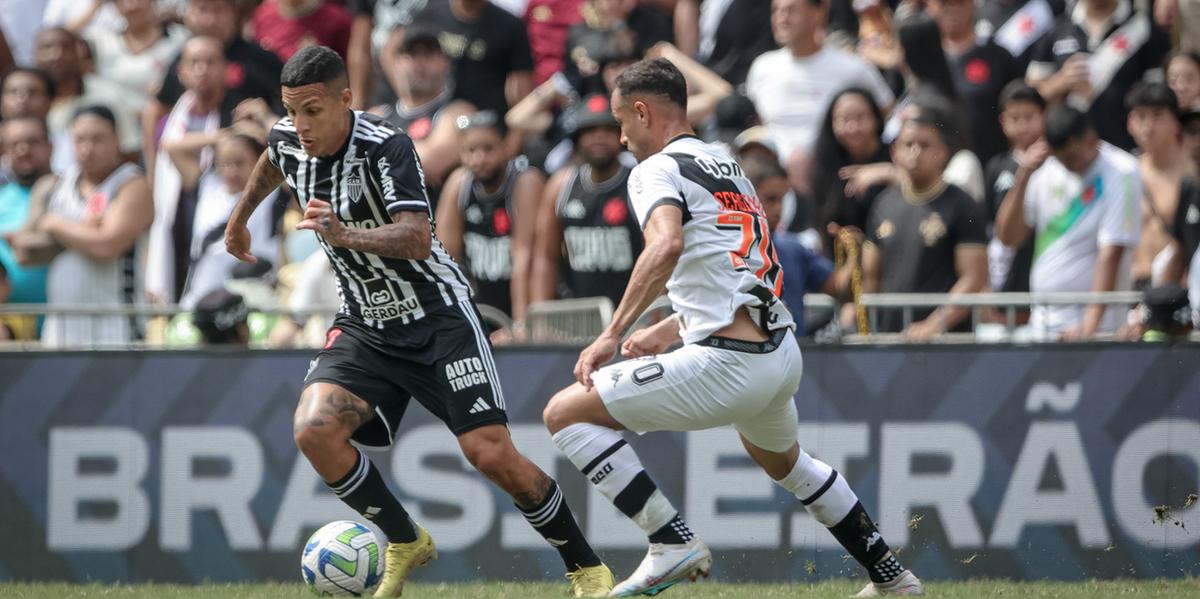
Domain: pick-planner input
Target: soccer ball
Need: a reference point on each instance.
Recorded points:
(342, 558)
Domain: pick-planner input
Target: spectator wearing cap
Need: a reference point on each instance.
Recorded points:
(221, 319)
(372, 45)
(924, 235)
(1079, 199)
(1023, 118)
(850, 136)
(250, 72)
(980, 68)
(793, 86)
(486, 215)
(26, 143)
(92, 233)
(1093, 57)
(587, 236)
(426, 108)
(1163, 164)
(285, 26)
(493, 67)
(725, 36)
(1183, 75)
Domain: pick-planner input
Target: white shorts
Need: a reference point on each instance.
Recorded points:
(699, 387)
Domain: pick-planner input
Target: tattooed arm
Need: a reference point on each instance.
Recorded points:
(265, 178)
(408, 236)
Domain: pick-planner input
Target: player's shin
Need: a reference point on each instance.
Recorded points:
(551, 517)
(364, 490)
(611, 464)
(827, 496)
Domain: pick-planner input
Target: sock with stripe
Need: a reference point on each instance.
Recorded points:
(364, 490)
(553, 520)
(827, 496)
(611, 464)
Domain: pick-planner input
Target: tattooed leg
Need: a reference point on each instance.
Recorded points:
(325, 418)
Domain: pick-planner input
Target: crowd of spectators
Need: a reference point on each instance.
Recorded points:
(927, 146)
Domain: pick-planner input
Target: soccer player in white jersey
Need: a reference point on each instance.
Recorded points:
(708, 244)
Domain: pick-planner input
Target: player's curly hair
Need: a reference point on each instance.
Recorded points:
(314, 64)
(658, 77)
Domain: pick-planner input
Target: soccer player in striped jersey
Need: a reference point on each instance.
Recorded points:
(709, 247)
(407, 326)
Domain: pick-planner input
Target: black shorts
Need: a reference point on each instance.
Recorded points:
(443, 360)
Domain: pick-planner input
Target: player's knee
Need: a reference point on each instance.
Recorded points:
(557, 414)
(316, 433)
(491, 459)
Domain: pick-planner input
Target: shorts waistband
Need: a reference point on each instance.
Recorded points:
(749, 347)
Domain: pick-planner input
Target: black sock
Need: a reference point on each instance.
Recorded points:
(364, 490)
(675, 532)
(553, 520)
(858, 535)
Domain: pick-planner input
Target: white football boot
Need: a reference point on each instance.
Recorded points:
(905, 584)
(665, 566)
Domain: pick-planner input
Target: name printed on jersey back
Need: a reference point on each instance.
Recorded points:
(595, 249)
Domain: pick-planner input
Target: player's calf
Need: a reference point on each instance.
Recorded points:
(827, 496)
(536, 495)
(325, 419)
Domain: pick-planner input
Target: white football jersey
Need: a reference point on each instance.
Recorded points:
(728, 260)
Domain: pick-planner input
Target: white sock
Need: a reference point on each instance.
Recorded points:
(611, 464)
(823, 492)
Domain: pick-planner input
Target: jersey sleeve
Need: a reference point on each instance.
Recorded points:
(397, 175)
(971, 228)
(1121, 222)
(653, 183)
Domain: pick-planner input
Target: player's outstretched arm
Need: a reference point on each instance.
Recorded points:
(664, 244)
(263, 180)
(408, 237)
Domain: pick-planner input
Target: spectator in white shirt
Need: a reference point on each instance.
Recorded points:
(1082, 207)
(792, 87)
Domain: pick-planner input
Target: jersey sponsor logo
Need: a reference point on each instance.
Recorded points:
(719, 169)
(383, 303)
(467, 372)
(490, 258)
(592, 249)
(389, 186)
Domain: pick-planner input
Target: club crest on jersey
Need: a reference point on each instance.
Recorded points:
(354, 186)
(474, 215)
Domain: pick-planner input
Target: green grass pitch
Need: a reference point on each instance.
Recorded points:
(703, 590)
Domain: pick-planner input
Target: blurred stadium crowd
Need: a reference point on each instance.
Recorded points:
(931, 146)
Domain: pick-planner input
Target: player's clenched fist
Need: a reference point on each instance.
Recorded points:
(320, 218)
(652, 340)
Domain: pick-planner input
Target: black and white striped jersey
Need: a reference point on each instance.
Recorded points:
(376, 174)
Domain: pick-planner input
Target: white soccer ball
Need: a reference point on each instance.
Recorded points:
(342, 558)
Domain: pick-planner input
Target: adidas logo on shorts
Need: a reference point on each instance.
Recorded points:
(480, 406)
